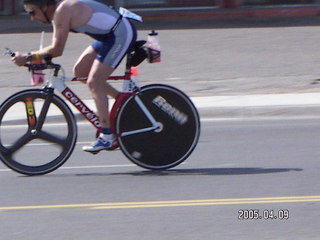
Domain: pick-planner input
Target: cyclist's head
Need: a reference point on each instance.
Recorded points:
(39, 3)
(33, 7)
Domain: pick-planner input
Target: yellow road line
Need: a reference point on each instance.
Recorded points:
(179, 203)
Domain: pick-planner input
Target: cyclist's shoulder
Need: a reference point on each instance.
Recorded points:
(93, 3)
(83, 6)
(71, 9)
(68, 5)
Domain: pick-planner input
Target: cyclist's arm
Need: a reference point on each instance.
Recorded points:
(61, 28)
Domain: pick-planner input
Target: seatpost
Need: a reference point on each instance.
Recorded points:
(128, 63)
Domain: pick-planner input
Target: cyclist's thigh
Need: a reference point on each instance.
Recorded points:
(113, 50)
(98, 75)
(84, 62)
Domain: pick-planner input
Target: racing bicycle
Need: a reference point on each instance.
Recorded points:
(156, 126)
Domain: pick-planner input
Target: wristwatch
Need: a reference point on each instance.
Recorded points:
(29, 57)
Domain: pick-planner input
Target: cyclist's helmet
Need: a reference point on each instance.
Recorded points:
(39, 3)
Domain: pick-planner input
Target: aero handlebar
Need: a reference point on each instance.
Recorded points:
(42, 66)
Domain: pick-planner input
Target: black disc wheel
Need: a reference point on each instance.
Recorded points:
(178, 127)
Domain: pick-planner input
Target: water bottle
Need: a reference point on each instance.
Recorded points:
(153, 47)
(37, 76)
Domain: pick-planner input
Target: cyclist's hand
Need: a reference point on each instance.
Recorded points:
(19, 59)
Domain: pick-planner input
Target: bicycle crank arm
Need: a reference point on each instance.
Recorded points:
(138, 131)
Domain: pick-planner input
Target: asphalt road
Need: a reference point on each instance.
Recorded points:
(269, 166)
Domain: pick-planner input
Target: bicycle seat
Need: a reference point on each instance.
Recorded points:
(138, 44)
(139, 53)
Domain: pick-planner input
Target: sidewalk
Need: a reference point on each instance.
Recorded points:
(251, 106)
(259, 106)
(224, 107)
(243, 103)
(241, 12)
(172, 18)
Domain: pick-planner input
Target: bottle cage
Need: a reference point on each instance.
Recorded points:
(139, 53)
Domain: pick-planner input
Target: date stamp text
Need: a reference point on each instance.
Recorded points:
(267, 214)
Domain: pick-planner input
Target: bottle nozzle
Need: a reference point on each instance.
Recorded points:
(153, 33)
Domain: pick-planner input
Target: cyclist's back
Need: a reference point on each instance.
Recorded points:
(102, 20)
(113, 33)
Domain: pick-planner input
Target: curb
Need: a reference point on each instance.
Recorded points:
(263, 106)
(249, 106)
(228, 107)
(241, 12)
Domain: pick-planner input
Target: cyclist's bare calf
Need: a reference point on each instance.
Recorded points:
(98, 87)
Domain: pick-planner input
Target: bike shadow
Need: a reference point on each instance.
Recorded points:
(199, 171)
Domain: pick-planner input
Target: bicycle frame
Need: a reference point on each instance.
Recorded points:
(59, 84)
(162, 123)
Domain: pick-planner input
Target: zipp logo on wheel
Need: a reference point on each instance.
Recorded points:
(30, 112)
(172, 112)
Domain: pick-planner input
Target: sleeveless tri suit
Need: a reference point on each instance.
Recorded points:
(114, 34)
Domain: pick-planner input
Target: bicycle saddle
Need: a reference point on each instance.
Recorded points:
(139, 44)
(139, 53)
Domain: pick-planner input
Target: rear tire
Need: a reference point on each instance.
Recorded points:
(177, 136)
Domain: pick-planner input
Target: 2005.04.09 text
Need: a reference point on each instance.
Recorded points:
(255, 214)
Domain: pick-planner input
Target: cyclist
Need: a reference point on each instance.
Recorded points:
(113, 34)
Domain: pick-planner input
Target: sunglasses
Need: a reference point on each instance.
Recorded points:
(32, 12)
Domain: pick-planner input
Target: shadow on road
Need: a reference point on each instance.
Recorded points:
(199, 171)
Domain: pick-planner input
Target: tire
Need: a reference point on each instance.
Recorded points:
(29, 120)
(173, 142)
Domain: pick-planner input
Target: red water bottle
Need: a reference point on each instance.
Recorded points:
(153, 47)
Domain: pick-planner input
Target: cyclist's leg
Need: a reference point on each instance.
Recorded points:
(110, 54)
(83, 65)
(99, 88)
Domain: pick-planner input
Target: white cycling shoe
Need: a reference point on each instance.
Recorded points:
(103, 142)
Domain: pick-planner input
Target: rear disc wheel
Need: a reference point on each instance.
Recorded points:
(178, 127)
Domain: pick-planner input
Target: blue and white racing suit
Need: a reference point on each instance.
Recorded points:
(113, 34)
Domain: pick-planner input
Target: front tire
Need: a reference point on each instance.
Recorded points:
(38, 132)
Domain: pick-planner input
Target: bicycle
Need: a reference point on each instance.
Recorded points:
(156, 126)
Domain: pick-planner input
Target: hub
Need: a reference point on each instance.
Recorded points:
(159, 128)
